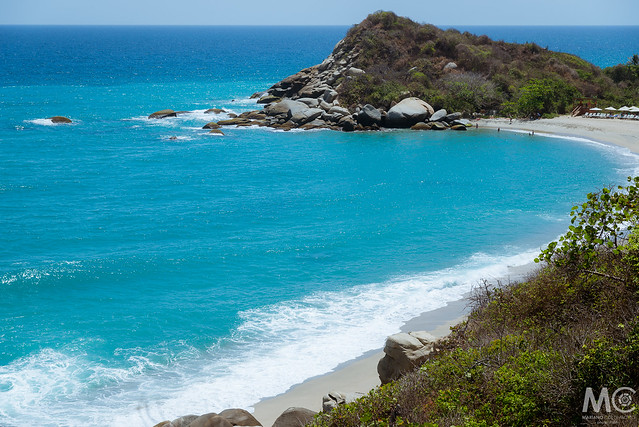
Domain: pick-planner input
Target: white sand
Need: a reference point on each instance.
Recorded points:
(624, 133)
(360, 375)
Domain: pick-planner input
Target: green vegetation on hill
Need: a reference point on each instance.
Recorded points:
(402, 58)
(529, 351)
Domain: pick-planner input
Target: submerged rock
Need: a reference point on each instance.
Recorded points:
(163, 114)
(211, 125)
(214, 111)
(60, 119)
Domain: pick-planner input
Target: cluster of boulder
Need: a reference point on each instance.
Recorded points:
(404, 352)
(309, 99)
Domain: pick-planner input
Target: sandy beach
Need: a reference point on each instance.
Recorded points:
(360, 375)
(623, 133)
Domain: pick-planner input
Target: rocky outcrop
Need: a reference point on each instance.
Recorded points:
(294, 417)
(403, 353)
(60, 119)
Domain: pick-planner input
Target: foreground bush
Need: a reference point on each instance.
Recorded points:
(529, 352)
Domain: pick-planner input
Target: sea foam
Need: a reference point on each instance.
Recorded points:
(273, 348)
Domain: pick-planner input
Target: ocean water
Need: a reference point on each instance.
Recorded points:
(149, 269)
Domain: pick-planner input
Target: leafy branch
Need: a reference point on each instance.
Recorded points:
(600, 224)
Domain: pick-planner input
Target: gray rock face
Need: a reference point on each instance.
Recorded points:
(307, 115)
(347, 123)
(329, 95)
(453, 116)
(334, 398)
(311, 102)
(438, 115)
(404, 352)
(294, 417)
(210, 420)
(239, 417)
(369, 115)
(339, 110)
(408, 112)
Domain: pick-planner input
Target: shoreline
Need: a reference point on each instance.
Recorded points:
(617, 132)
(360, 374)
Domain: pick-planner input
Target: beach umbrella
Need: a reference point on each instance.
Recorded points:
(624, 108)
(595, 109)
(611, 109)
(633, 109)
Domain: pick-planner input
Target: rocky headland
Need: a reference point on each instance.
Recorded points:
(391, 72)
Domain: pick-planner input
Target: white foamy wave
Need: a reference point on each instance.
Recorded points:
(281, 345)
(272, 349)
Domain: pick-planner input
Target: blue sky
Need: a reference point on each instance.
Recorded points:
(325, 12)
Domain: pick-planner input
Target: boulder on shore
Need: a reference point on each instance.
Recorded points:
(60, 119)
(335, 398)
(408, 112)
(404, 352)
(294, 417)
(239, 417)
(369, 116)
(439, 115)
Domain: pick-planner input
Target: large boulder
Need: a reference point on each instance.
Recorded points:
(438, 115)
(335, 398)
(404, 352)
(183, 421)
(294, 417)
(163, 114)
(210, 420)
(453, 116)
(347, 123)
(369, 115)
(239, 417)
(285, 109)
(60, 119)
(307, 115)
(408, 112)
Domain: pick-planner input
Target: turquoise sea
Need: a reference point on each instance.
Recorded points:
(149, 269)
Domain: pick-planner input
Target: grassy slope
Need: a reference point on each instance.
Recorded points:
(528, 351)
(402, 57)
